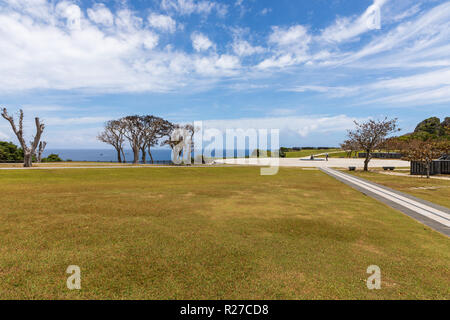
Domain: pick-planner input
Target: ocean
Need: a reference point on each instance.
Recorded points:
(110, 155)
(104, 155)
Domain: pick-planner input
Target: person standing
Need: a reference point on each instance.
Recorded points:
(326, 156)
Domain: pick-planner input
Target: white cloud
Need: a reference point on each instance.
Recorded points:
(57, 45)
(296, 36)
(200, 42)
(72, 13)
(302, 126)
(424, 37)
(405, 13)
(265, 11)
(215, 64)
(226, 61)
(188, 7)
(422, 80)
(162, 22)
(290, 47)
(332, 91)
(345, 28)
(4, 136)
(58, 121)
(100, 14)
(51, 54)
(420, 97)
(244, 48)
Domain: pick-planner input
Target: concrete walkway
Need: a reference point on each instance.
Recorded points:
(430, 214)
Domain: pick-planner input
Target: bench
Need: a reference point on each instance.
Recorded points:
(389, 168)
(352, 168)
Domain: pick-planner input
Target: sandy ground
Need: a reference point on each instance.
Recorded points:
(331, 163)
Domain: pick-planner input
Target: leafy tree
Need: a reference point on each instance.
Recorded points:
(432, 126)
(114, 134)
(10, 152)
(52, 158)
(155, 128)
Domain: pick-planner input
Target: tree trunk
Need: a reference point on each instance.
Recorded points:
(366, 162)
(119, 158)
(123, 156)
(136, 155)
(27, 160)
(150, 153)
(144, 155)
(428, 170)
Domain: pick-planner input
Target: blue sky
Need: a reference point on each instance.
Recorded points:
(308, 68)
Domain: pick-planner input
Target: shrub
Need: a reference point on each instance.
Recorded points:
(10, 152)
(52, 158)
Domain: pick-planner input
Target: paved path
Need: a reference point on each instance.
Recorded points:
(430, 214)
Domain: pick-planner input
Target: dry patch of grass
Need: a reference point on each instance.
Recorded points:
(208, 233)
(434, 190)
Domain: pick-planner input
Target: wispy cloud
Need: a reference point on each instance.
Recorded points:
(348, 28)
(188, 7)
(301, 126)
(58, 45)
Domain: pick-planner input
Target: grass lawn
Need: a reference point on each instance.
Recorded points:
(434, 190)
(209, 233)
(342, 154)
(65, 164)
(306, 153)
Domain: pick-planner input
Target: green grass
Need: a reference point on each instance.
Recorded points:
(208, 233)
(306, 153)
(342, 154)
(434, 190)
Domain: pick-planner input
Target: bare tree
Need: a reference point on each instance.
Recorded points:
(424, 151)
(41, 149)
(28, 152)
(349, 146)
(370, 136)
(114, 134)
